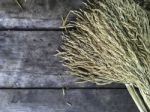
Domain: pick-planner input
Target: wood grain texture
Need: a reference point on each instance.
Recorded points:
(29, 24)
(45, 9)
(27, 59)
(73, 101)
(41, 14)
(36, 14)
(50, 9)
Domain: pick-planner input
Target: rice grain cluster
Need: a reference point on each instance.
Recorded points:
(111, 43)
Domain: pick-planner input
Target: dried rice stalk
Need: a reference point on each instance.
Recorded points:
(111, 43)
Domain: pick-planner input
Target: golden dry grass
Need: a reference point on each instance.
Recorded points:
(111, 43)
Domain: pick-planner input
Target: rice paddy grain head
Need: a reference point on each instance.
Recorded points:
(111, 43)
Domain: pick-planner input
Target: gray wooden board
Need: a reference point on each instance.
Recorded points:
(39, 14)
(7, 23)
(36, 13)
(50, 9)
(74, 100)
(27, 59)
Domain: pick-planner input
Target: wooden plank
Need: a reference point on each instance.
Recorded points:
(45, 9)
(37, 14)
(7, 23)
(40, 14)
(73, 101)
(27, 60)
(50, 9)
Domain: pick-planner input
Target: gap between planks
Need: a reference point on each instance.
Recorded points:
(36, 29)
(66, 88)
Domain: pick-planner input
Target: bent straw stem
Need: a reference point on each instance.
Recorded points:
(146, 98)
(137, 99)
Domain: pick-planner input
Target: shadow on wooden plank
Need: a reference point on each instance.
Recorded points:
(72, 101)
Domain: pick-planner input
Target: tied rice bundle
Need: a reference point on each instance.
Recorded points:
(111, 43)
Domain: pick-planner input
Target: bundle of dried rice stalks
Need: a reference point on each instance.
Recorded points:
(111, 43)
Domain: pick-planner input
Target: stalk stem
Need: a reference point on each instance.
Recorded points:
(146, 98)
(137, 99)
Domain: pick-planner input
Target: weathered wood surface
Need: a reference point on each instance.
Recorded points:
(37, 14)
(89, 100)
(29, 24)
(50, 9)
(27, 59)
(40, 14)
